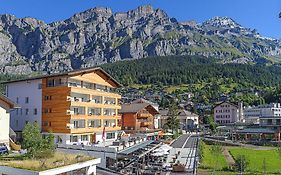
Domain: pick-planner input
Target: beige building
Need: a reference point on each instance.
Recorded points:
(188, 120)
(5, 106)
(226, 113)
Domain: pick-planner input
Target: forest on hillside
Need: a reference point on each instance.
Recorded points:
(176, 70)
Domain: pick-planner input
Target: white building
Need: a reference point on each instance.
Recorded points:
(253, 114)
(227, 113)
(5, 106)
(187, 119)
(28, 95)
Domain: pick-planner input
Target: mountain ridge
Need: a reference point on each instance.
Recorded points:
(97, 36)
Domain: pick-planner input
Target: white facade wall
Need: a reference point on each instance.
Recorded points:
(252, 114)
(18, 92)
(66, 138)
(226, 113)
(4, 125)
(90, 169)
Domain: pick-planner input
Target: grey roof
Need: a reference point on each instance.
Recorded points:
(270, 117)
(256, 130)
(74, 72)
(132, 108)
(217, 104)
(141, 100)
(136, 107)
(181, 112)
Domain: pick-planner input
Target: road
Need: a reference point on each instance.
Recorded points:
(186, 145)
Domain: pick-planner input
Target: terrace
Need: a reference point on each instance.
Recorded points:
(13, 162)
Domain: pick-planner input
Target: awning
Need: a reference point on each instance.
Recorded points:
(136, 147)
(12, 133)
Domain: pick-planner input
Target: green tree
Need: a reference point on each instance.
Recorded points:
(278, 150)
(241, 164)
(36, 145)
(173, 122)
(264, 166)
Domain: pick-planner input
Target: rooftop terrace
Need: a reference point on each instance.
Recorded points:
(59, 160)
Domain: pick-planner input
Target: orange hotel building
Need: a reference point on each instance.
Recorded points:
(75, 106)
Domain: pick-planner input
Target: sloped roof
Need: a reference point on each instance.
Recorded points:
(71, 73)
(219, 103)
(141, 100)
(181, 112)
(136, 107)
(8, 101)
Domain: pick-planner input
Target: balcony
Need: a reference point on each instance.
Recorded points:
(143, 115)
(88, 85)
(109, 101)
(76, 111)
(145, 124)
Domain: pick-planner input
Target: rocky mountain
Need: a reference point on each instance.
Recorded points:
(98, 36)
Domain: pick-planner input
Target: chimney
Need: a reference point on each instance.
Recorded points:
(240, 112)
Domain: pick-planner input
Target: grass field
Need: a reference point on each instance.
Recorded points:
(209, 160)
(254, 156)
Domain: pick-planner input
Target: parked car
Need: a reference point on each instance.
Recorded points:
(3, 150)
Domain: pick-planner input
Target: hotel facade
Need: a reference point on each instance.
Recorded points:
(77, 107)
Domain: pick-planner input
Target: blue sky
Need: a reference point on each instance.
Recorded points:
(259, 14)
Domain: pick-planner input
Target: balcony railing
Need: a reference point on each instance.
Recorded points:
(144, 124)
(144, 115)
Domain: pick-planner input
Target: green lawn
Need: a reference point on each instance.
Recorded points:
(209, 161)
(256, 157)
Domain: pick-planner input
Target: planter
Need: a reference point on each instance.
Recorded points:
(178, 168)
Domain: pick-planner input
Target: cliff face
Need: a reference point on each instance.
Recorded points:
(98, 36)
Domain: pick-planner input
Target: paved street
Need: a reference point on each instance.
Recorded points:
(186, 146)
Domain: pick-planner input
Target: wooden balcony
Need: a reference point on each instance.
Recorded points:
(95, 92)
(146, 124)
(92, 130)
(101, 117)
(91, 104)
(146, 115)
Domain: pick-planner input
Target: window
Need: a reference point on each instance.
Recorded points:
(17, 99)
(59, 139)
(20, 111)
(26, 111)
(84, 137)
(45, 123)
(110, 135)
(26, 121)
(47, 110)
(39, 86)
(26, 99)
(51, 83)
(17, 123)
(76, 124)
(73, 139)
(35, 111)
(46, 98)
(94, 123)
(17, 111)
